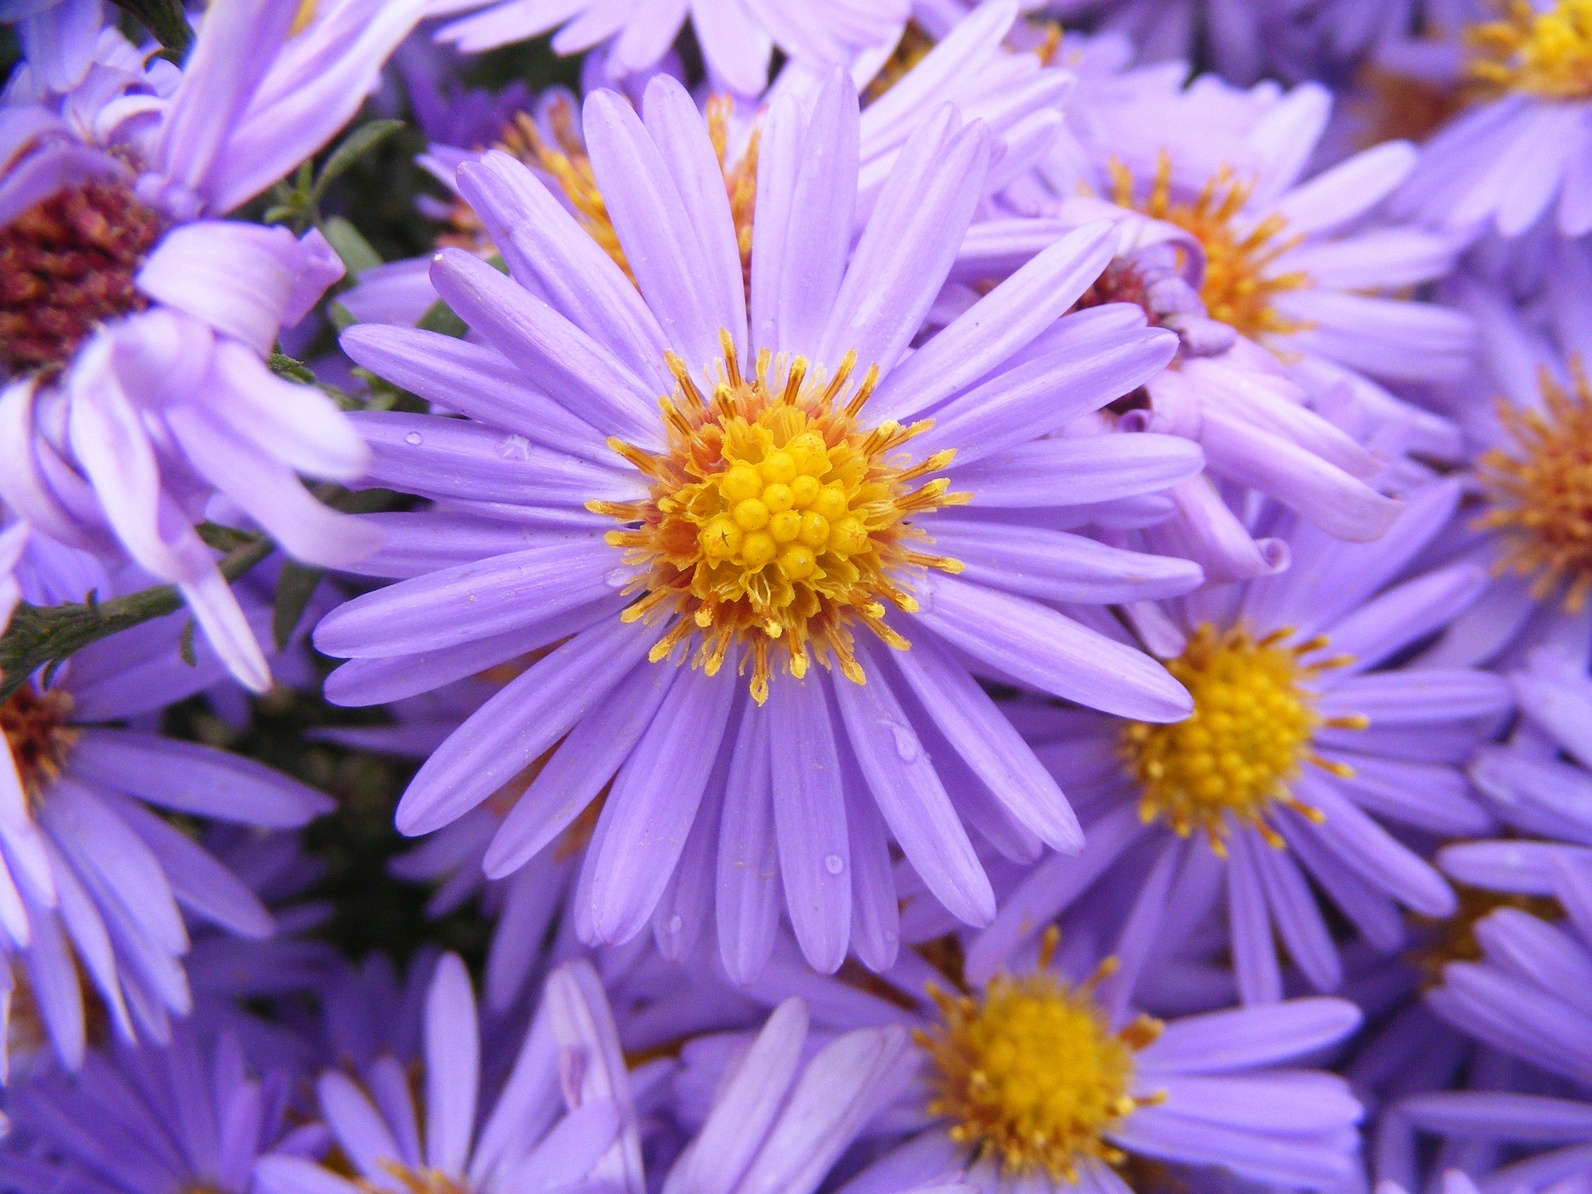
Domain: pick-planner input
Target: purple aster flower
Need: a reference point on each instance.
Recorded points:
(94, 878)
(188, 1115)
(136, 382)
(564, 1117)
(1307, 735)
(1527, 996)
(58, 37)
(1033, 1082)
(690, 631)
(737, 38)
(1518, 155)
(1526, 414)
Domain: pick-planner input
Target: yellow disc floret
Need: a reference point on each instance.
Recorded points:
(1541, 490)
(419, 1180)
(1239, 287)
(1252, 729)
(1546, 53)
(1031, 1075)
(776, 519)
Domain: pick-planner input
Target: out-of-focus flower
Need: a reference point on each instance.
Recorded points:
(136, 321)
(58, 37)
(1306, 735)
(771, 524)
(564, 1116)
(737, 39)
(1519, 154)
(94, 878)
(186, 1115)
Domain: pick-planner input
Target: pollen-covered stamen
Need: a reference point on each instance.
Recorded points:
(1546, 53)
(1239, 287)
(36, 732)
(1030, 1073)
(777, 521)
(67, 265)
(1540, 490)
(1453, 938)
(1251, 731)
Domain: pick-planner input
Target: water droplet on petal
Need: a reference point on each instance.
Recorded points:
(676, 923)
(834, 864)
(619, 577)
(906, 742)
(412, 438)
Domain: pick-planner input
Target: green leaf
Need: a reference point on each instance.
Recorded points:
(354, 146)
(185, 644)
(294, 588)
(294, 370)
(353, 248)
(440, 318)
(165, 19)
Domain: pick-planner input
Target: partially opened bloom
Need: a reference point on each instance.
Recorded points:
(1307, 736)
(1519, 154)
(564, 1116)
(189, 1115)
(766, 636)
(137, 321)
(737, 39)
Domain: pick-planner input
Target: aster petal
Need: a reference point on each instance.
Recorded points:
(734, 43)
(894, 275)
(506, 734)
(1405, 614)
(1058, 656)
(1293, 1160)
(1368, 848)
(360, 1130)
(750, 1099)
(875, 904)
(1255, 964)
(277, 1173)
(806, 192)
(1521, 1117)
(1096, 468)
(1428, 796)
(91, 943)
(1057, 566)
(1353, 186)
(647, 815)
(452, 1052)
(56, 991)
(1301, 1101)
(504, 593)
(577, 771)
(1244, 1038)
(224, 624)
(1005, 320)
(662, 243)
(749, 891)
(189, 778)
(1298, 919)
(984, 739)
(557, 358)
(1372, 912)
(909, 793)
(546, 249)
(810, 818)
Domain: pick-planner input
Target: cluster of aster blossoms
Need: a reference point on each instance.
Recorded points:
(953, 596)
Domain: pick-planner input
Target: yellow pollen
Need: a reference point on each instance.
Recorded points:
(1540, 490)
(1239, 288)
(912, 48)
(777, 520)
(1542, 53)
(1031, 1075)
(1252, 728)
(303, 18)
(39, 739)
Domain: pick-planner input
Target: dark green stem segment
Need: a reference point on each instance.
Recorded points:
(165, 19)
(43, 634)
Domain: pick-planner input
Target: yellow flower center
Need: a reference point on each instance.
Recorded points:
(776, 519)
(39, 739)
(1240, 287)
(1252, 728)
(1543, 53)
(1540, 490)
(1031, 1075)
